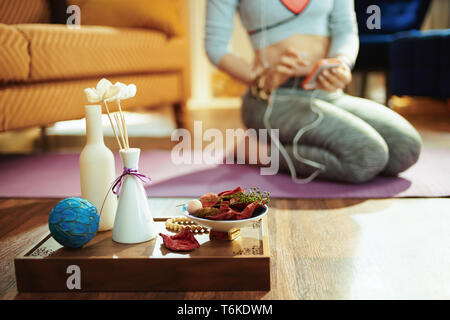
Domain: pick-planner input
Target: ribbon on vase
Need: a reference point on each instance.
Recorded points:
(128, 171)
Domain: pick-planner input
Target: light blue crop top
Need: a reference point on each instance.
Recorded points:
(334, 18)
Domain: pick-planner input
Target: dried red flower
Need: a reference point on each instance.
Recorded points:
(227, 213)
(182, 241)
(230, 192)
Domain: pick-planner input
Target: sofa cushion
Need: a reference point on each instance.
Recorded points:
(24, 11)
(161, 15)
(14, 57)
(58, 52)
(39, 104)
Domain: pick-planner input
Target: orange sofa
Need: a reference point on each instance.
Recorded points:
(45, 67)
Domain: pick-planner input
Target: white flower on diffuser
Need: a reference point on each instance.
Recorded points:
(105, 90)
(126, 91)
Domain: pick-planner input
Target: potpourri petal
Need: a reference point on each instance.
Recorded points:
(182, 241)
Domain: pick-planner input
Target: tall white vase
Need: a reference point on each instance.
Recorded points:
(97, 169)
(134, 222)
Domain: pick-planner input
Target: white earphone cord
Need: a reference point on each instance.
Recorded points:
(295, 143)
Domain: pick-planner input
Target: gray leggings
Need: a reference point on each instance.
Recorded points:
(356, 140)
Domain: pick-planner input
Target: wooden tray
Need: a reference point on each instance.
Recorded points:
(104, 265)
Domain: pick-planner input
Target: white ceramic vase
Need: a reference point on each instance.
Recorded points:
(97, 169)
(134, 222)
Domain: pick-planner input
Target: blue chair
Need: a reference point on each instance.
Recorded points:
(396, 16)
(420, 64)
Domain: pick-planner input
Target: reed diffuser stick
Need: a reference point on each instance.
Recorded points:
(112, 124)
(120, 128)
(123, 124)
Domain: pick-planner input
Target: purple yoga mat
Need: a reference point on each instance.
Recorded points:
(57, 176)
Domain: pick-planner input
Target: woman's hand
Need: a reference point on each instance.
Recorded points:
(293, 64)
(290, 64)
(336, 78)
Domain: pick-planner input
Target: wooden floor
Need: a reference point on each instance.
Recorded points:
(320, 249)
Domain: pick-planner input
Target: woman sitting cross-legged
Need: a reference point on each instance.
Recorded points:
(323, 131)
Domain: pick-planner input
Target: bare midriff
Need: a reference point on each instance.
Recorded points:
(314, 48)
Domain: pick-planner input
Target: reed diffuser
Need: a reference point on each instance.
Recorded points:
(133, 220)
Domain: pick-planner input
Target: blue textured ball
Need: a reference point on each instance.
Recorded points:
(73, 222)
